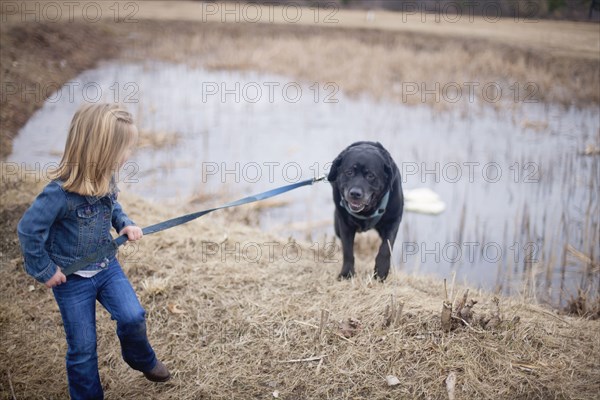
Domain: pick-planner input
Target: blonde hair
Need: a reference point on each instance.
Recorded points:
(99, 137)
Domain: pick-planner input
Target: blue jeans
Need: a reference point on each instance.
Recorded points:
(77, 302)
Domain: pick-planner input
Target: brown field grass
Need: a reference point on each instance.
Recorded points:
(237, 329)
(375, 62)
(557, 38)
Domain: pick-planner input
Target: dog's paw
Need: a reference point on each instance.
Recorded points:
(377, 277)
(345, 275)
(381, 271)
(382, 268)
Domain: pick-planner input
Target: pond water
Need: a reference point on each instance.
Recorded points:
(517, 188)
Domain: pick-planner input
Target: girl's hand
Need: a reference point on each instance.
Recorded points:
(56, 279)
(133, 232)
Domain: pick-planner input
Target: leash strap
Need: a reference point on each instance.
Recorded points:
(110, 249)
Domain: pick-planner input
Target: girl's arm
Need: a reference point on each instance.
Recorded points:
(119, 219)
(34, 228)
(124, 225)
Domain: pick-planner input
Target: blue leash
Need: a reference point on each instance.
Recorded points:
(110, 249)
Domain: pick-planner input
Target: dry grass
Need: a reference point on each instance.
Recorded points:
(379, 63)
(556, 38)
(230, 328)
(236, 329)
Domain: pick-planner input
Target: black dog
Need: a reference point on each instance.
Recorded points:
(368, 194)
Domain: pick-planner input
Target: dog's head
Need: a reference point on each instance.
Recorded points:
(362, 173)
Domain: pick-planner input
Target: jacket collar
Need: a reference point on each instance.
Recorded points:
(92, 199)
(113, 191)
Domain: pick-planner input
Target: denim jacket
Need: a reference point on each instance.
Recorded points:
(61, 226)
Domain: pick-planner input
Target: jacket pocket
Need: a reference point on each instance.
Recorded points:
(88, 213)
(90, 220)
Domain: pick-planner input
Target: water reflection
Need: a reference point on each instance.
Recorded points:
(516, 188)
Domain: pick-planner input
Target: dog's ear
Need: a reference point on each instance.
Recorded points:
(389, 165)
(335, 165)
(390, 173)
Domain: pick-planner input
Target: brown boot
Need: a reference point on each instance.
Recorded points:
(159, 373)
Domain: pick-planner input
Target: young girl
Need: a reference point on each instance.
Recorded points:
(70, 219)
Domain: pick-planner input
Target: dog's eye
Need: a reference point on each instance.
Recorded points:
(370, 176)
(350, 172)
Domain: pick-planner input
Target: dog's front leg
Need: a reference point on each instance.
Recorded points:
(346, 234)
(382, 261)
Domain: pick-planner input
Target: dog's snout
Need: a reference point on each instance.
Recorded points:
(356, 193)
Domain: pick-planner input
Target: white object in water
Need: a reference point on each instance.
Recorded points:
(423, 201)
